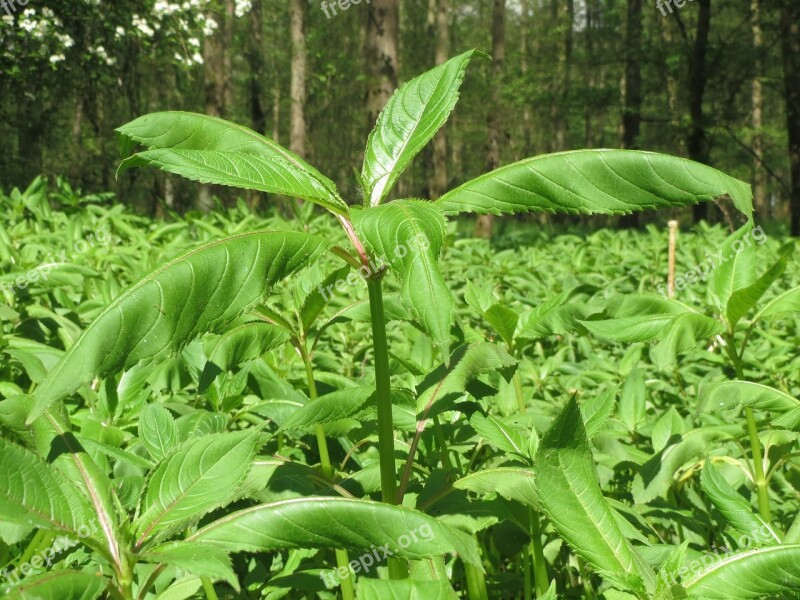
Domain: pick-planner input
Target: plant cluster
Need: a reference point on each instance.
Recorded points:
(483, 423)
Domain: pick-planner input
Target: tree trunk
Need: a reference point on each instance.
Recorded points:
(565, 69)
(258, 117)
(632, 89)
(439, 183)
(790, 46)
(759, 174)
(696, 142)
(217, 76)
(381, 55)
(524, 25)
(485, 223)
(297, 119)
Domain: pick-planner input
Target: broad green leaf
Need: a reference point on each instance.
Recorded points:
(408, 235)
(243, 343)
(504, 321)
(316, 300)
(60, 585)
(736, 510)
(201, 291)
(735, 267)
(239, 345)
(404, 589)
(446, 383)
(669, 424)
(667, 587)
(656, 475)
(199, 476)
(597, 409)
(570, 495)
(638, 318)
(595, 181)
(751, 574)
(329, 408)
(729, 394)
(326, 522)
(633, 400)
(410, 119)
(183, 589)
(787, 302)
(512, 483)
(499, 434)
(157, 430)
(198, 559)
(211, 150)
(743, 300)
(682, 334)
(33, 493)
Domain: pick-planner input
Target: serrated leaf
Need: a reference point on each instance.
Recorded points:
(325, 522)
(199, 476)
(33, 493)
(633, 400)
(499, 434)
(568, 491)
(60, 585)
(157, 430)
(504, 321)
(682, 334)
(198, 292)
(199, 559)
(446, 383)
(595, 182)
(736, 269)
(742, 575)
(211, 150)
(408, 235)
(729, 394)
(736, 510)
(410, 119)
(511, 483)
(787, 302)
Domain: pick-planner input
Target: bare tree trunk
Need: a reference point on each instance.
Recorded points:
(759, 174)
(697, 143)
(524, 26)
(588, 108)
(381, 55)
(565, 74)
(276, 112)
(790, 46)
(632, 89)
(485, 223)
(258, 117)
(439, 183)
(217, 76)
(297, 119)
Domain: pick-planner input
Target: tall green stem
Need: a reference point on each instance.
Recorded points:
(535, 550)
(342, 558)
(383, 390)
(752, 432)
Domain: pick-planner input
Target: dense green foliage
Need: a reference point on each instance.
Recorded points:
(224, 403)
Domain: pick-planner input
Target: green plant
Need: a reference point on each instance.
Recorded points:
(184, 493)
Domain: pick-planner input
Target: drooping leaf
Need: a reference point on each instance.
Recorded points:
(504, 321)
(198, 292)
(408, 235)
(595, 182)
(736, 510)
(410, 119)
(633, 400)
(199, 476)
(512, 483)
(326, 522)
(786, 303)
(570, 495)
(60, 585)
(754, 573)
(211, 150)
(729, 394)
(681, 335)
(446, 383)
(499, 434)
